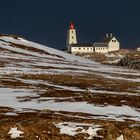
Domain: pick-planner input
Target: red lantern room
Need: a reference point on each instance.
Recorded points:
(71, 26)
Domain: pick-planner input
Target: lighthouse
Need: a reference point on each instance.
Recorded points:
(109, 44)
(71, 36)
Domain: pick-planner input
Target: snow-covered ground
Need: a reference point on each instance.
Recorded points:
(11, 98)
(56, 58)
(18, 61)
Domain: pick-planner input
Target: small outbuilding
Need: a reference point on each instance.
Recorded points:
(100, 47)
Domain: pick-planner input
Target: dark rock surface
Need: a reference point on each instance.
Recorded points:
(132, 60)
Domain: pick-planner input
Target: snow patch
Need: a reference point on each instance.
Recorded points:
(120, 138)
(73, 129)
(24, 40)
(15, 133)
(119, 113)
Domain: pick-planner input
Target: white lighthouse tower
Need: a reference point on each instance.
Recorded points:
(71, 36)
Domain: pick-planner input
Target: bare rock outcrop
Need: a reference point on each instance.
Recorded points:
(131, 60)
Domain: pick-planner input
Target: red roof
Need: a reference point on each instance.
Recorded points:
(71, 26)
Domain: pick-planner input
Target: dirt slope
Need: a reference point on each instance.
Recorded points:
(49, 94)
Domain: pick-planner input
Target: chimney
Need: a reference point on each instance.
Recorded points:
(111, 35)
(106, 35)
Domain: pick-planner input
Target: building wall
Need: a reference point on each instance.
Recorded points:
(114, 45)
(71, 37)
(138, 49)
(101, 49)
(82, 50)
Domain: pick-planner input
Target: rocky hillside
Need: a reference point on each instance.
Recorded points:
(111, 58)
(46, 94)
(131, 60)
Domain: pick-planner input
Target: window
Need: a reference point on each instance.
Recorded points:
(91, 48)
(72, 31)
(84, 48)
(113, 40)
(72, 37)
(79, 48)
(87, 48)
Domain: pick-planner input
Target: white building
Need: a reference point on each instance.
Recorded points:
(138, 49)
(113, 43)
(72, 45)
(81, 48)
(100, 47)
(109, 44)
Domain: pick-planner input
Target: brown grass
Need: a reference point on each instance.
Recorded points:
(41, 125)
(29, 48)
(87, 81)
